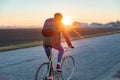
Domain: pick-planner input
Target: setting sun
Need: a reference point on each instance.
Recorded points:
(67, 20)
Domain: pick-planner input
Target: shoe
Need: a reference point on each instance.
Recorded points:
(58, 67)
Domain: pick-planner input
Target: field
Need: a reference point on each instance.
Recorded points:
(12, 37)
(18, 36)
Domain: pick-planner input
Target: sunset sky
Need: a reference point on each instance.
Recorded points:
(34, 12)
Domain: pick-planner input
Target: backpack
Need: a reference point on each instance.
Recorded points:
(48, 28)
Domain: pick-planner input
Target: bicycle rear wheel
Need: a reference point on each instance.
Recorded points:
(42, 72)
(68, 66)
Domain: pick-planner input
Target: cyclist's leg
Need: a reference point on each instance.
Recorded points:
(60, 54)
(47, 51)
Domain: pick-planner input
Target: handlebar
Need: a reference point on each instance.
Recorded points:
(67, 49)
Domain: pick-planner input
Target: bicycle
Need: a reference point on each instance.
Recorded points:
(47, 70)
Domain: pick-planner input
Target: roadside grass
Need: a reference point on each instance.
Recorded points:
(19, 46)
(102, 34)
(95, 35)
(38, 43)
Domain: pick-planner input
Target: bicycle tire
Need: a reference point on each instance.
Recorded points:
(68, 66)
(43, 69)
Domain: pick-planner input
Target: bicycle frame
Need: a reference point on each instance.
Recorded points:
(51, 69)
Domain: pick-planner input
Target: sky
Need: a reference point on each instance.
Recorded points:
(34, 12)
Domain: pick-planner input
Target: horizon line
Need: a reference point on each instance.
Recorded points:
(5, 25)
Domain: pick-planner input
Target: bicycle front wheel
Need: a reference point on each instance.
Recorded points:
(68, 66)
(42, 72)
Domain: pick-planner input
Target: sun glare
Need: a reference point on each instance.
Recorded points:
(67, 20)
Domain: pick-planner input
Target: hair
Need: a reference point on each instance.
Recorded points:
(58, 16)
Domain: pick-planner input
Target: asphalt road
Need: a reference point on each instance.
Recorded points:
(96, 58)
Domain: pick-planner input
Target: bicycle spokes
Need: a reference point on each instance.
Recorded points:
(68, 65)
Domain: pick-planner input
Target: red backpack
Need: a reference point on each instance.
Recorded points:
(48, 28)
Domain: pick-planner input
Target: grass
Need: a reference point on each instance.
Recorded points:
(38, 43)
(101, 34)
(19, 46)
(95, 35)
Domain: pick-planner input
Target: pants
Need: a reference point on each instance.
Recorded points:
(59, 48)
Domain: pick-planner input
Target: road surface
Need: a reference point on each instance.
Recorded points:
(96, 58)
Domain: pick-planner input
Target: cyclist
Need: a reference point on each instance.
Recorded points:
(53, 40)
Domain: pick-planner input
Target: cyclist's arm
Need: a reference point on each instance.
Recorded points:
(64, 32)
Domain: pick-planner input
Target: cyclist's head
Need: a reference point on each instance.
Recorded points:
(58, 16)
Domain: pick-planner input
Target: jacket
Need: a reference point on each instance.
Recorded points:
(55, 40)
